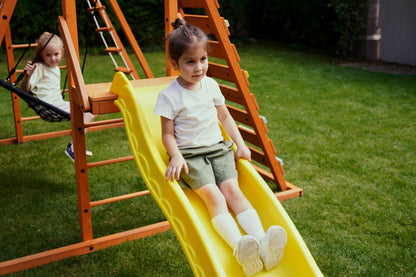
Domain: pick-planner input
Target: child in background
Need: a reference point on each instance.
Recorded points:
(199, 157)
(43, 78)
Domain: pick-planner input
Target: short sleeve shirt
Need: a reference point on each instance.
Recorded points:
(45, 84)
(194, 112)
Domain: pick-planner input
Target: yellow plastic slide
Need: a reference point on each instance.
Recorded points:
(207, 254)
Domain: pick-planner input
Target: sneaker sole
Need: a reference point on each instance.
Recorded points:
(272, 247)
(248, 255)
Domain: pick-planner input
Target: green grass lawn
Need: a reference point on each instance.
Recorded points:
(347, 137)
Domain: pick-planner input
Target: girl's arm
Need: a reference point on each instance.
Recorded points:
(177, 162)
(29, 68)
(231, 128)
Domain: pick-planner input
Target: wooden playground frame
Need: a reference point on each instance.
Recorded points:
(97, 99)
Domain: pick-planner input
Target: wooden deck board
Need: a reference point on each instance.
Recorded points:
(101, 99)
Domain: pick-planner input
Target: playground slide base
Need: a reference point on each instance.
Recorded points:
(207, 253)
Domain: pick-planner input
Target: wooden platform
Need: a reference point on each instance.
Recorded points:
(102, 100)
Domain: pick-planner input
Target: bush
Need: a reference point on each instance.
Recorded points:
(145, 18)
(31, 18)
(351, 21)
(319, 23)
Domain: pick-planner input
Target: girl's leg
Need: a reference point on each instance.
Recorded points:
(246, 248)
(272, 244)
(213, 199)
(246, 215)
(221, 219)
(88, 117)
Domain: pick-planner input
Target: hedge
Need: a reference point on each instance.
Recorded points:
(320, 23)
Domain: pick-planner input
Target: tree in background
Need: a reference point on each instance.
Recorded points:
(326, 24)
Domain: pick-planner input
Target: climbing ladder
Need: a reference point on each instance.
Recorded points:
(115, 45)
(252, 126)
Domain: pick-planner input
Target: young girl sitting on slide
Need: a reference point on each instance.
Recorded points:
(199, 157)
(43, 78)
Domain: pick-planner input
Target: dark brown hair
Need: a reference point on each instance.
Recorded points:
(182, 37)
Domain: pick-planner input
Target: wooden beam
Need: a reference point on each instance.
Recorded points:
(81, 248)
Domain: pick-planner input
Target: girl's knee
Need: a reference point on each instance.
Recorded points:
(230, 189)
(211, 195)
(213, 199)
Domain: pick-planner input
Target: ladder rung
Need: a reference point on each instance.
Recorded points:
(195, 4)
(123, 69)
(192, 4)
(17, 46)
(92, 9)
(112, 50)
(103, 29)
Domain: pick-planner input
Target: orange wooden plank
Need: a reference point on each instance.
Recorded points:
(232, 94)
(6, 12)
(81, 248)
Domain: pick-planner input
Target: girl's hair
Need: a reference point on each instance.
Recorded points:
(183, 37)
(44, 39)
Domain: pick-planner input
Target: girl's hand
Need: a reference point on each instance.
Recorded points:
(29, 68)
(175, 167)
(243, 152)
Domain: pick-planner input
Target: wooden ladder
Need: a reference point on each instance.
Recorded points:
(115, 46)
(251, 124)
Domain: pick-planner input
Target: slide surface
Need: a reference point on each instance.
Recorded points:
(207, 253)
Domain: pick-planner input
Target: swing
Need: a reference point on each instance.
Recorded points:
(45, 110)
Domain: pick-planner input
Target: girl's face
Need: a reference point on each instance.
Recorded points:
(192, 66)
(52, 55)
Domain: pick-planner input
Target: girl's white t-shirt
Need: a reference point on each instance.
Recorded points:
(45, 84)
(194, 112)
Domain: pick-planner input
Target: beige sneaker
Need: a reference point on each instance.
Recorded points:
(247, 255)
(272, 246)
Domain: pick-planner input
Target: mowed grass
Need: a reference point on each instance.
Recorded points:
(346, 137)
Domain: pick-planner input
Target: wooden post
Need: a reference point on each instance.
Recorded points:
(15, 99)
(171, 13)
(77, 118)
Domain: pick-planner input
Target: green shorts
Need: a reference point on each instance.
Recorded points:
(208, 165)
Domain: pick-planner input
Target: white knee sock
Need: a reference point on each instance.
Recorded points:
(250, 222)
(227, 228)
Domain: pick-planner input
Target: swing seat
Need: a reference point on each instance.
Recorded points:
(45, 110)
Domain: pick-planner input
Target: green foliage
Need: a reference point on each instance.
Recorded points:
(351, 15)
(31, 18)
(320, 23)
(236, 12)
(145, 18)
